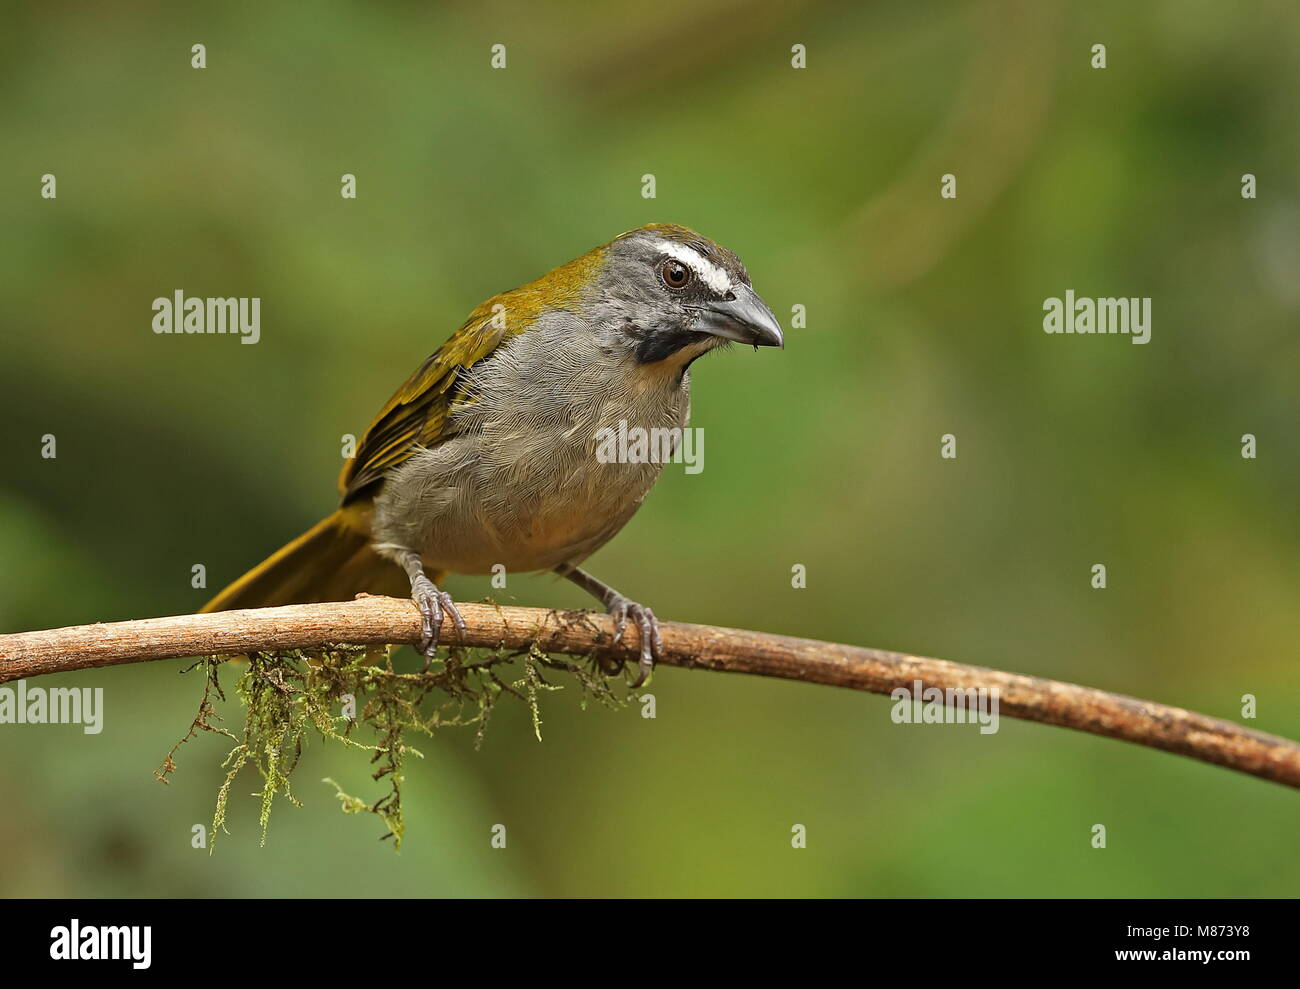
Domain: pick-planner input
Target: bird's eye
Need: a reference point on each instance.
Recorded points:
(674, 273)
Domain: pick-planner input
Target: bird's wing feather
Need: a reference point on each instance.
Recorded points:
(418, 414)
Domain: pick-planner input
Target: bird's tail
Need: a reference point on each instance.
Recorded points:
(332, 561)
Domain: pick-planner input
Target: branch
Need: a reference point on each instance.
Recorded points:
(380, 620)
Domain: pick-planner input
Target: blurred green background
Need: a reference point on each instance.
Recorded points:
(924, 318)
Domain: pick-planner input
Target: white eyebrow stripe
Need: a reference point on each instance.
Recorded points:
(709, 273)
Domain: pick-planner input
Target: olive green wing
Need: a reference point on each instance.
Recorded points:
(417, 414)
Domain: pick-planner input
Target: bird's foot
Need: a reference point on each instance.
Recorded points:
(434, 605)
(622, 609)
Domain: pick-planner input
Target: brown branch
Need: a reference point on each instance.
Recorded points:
(390, 620)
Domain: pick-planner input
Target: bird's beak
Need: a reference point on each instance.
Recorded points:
(745, 319)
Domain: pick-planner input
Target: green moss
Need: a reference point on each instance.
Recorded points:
(290, 696)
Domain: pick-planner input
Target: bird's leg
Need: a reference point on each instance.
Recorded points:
(621, 609)
(432, 602)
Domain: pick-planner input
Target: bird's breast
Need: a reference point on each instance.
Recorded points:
(545, 465)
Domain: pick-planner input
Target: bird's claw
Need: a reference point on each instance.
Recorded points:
(434, 605)
(652, 644)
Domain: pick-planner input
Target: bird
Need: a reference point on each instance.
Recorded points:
(486, 456)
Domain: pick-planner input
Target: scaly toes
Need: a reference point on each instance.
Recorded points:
(652, 643)
(619, 612)
(449, 606)
(428, 599)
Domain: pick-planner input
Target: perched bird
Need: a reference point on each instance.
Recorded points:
(487, 454)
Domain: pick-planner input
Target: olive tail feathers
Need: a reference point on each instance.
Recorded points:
(332, 561)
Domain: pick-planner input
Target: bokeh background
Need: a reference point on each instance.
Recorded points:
(924, 317)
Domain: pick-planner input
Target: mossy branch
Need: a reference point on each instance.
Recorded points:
(378, 620)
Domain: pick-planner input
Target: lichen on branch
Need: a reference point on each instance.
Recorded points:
(343, 693)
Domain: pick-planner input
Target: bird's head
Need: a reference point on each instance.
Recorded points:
(664, 295)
